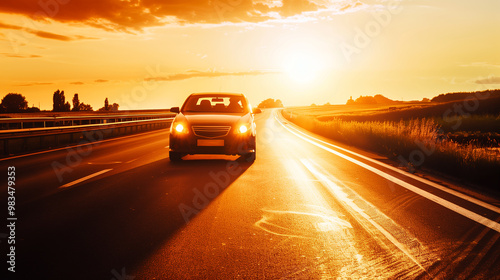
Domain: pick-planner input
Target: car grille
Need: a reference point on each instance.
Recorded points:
(211, 131)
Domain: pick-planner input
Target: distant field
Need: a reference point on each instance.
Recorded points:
(458, 139)
(331, 111)
(455, 121)
(377, 112)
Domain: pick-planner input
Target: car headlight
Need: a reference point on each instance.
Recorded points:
(179, 128)
(243, 129)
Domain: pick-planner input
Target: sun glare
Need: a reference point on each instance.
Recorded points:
(302, 66)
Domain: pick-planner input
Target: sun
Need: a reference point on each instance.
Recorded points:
(302, 65)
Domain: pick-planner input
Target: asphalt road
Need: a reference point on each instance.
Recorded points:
(305, 209)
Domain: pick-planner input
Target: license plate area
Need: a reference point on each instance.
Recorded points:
(210, 142)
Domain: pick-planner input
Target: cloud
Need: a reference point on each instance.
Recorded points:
(481, 64)
(34, 84)
(95, 81)
(136, 14)
(205, 74)
(15, 55)
(48, 35)
(294, 7)
(44, 34)
(490, 80)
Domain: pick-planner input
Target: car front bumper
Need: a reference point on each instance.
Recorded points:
(236, 144)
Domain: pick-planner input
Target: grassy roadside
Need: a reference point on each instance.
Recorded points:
(414, 143)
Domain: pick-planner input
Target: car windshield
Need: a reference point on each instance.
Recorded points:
(215, 104)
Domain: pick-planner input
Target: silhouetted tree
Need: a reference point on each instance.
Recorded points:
(56, 101)
(366, 100)
(59, 102)
(76, 103)
(114, 107)
(108, 107)
(14, 103)
(458, 96)
(270, 103)
(380, 99)
(350, 101)
(32, 110)
(67, 107)
(85, 107)
(377, 99)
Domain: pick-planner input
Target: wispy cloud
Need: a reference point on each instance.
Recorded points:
(15, 55)
(34, 84)
(481, 64)
(206, 74)
(44, 34)
(99, 81)
(489, 80)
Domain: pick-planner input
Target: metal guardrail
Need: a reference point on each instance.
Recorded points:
(38, 122)
(18, 141)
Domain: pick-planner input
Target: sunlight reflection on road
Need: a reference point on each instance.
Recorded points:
(300, 224)
(364, 250)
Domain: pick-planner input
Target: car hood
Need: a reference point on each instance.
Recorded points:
(215, 119)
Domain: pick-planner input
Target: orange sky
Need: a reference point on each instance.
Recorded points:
(150, 54)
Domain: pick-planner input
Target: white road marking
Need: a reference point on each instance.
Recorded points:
(427, 182)
(84, 178)
(457, 209)
(337, 191)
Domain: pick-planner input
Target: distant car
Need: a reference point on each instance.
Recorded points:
(213, 123)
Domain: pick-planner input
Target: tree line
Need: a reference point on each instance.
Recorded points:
(17, 103)
(458, 96)
(270, 103)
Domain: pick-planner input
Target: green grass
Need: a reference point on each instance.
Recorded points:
(406, 138)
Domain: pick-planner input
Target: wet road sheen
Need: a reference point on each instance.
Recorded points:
(298, 212)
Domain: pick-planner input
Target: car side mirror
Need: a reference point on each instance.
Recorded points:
(256, 110)
(174, 110)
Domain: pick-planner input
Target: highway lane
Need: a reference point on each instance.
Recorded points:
(304, 209)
